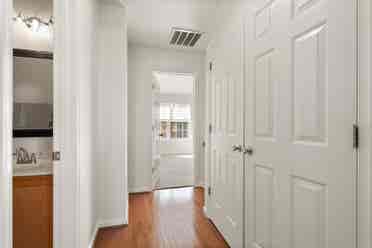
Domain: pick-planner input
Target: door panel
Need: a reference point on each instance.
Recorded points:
(227, 175)
(308, 213)
(309, 60)
(300, 88)
(264, 96)
(264, 192)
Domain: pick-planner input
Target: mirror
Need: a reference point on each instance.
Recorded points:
(33, 94)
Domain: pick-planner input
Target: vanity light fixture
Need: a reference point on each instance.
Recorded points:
(34, 23)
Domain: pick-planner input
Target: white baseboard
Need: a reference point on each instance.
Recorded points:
(103, 224)
(205, 211)
(200, 184)
(144, 189)
(94, 236)
(112, 223)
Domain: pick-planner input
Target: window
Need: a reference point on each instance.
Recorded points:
(175, 121)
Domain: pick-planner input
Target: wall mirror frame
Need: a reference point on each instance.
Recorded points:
(32, 132)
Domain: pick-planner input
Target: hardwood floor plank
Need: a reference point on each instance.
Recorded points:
(171, 218)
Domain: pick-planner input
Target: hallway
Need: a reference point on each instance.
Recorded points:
(171, 218)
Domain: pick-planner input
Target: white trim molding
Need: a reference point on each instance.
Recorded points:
(365, 118)
(104, 224)
(113, 223)
(145, 189)
(94, 236)
(122, 3)
(64, 140)
(6, 103)
(200, 184)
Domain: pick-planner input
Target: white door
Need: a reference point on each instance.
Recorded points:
(301, 178)
(226, 198)
(6, 105)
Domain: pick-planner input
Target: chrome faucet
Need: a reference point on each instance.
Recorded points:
(23, 157)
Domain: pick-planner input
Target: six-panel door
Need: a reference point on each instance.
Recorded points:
(226, 201)
(300, 84)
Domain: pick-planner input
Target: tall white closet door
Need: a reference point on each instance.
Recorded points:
(226, 200)
(301, 178)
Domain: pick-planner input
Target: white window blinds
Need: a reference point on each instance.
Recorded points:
(181, 112)
(165, 112)
(175, 121)
(175, 112)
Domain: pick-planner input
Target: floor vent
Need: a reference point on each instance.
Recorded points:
(184, 37)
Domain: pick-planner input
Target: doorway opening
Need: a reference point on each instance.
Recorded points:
(33, 123)
(173, 136)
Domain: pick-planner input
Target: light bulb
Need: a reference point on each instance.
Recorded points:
(35, 25)
(43, 28)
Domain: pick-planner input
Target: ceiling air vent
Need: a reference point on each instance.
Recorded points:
(184, 37)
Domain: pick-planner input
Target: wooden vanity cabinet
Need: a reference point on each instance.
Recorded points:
(33, 212)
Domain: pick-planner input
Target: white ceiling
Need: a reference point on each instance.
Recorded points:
(171, 83)
(150, 21)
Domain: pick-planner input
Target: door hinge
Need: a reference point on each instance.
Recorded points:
(355, 136)
(210, 66)
(56, 156)
(210, 129)
(204, 144)
(209, 191)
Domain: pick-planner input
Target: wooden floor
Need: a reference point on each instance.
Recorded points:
(171, 218)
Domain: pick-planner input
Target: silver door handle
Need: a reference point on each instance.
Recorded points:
(237, 148)
(248, 150)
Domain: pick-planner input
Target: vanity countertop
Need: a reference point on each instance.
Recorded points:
(32, 170)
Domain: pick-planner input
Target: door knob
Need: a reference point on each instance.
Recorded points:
(237, 148)
(248, 151)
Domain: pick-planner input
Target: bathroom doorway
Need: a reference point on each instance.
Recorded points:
(33, 123)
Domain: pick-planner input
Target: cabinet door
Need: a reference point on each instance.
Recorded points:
(32, 212)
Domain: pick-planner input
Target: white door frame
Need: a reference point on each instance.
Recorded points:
(197, 130)
(65, 195)
(195, 118)
(364, 235)
(364, 202)
(207, 127)
(6, 119)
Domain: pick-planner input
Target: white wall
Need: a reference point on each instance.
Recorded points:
(93, 114)
(175, 146)
(24, 37)
(176, 98)
(78, 68)
(142, 62)
(85, 75)
(111, 106)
